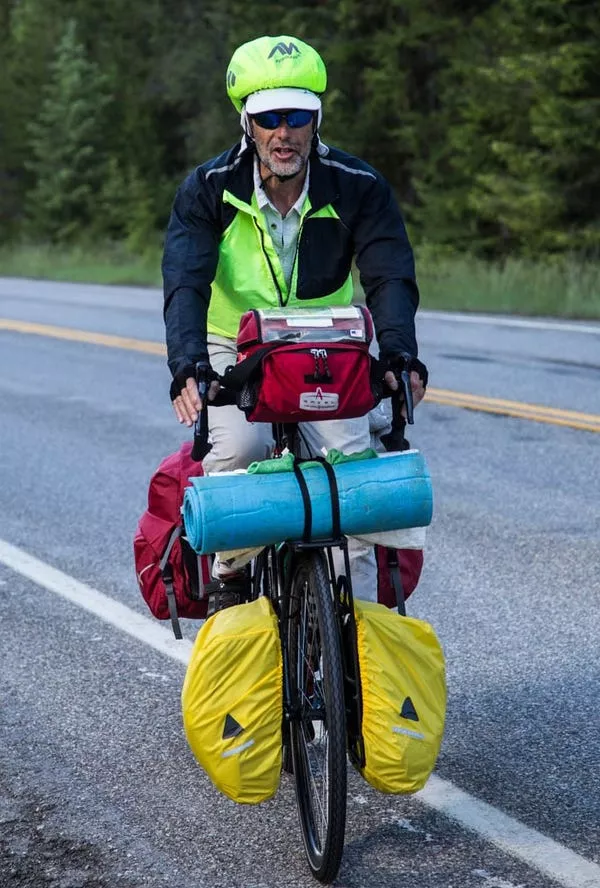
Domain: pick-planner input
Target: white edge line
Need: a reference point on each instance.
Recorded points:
(103, 606)
(499, 321)
(507, 833)
(510, 835)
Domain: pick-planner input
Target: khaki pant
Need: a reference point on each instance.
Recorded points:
(236, 443)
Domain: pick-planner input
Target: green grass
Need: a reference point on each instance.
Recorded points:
(108, 264)
(567, 288)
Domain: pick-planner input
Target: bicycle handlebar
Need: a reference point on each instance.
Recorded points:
(393, 441)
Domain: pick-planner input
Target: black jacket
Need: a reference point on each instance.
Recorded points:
(369, 228)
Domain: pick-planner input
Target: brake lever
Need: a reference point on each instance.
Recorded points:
(395, 440)
(408, 396)
(201, 446)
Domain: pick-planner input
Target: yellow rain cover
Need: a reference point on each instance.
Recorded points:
(403, 685)
(232, 701)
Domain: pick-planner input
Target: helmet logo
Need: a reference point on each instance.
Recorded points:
(230, 79)
(284, 49)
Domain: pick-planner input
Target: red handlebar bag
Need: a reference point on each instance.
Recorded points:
(303, 365)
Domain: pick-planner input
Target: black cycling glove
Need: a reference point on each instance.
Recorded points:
(197, 371)
(179, 380)
(398, 363)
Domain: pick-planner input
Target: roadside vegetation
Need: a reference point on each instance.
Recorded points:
(108, 264)
(562, 287)
(483, 115)
(565, 287)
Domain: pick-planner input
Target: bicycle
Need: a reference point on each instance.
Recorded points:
(322, 701)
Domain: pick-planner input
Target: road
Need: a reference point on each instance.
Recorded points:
(97, 785)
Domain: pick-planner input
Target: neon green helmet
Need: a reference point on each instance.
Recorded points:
(269, 63)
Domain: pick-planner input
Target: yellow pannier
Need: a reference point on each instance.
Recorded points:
(403, 685)
(232, 701)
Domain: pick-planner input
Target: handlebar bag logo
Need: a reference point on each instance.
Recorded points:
(319, 400)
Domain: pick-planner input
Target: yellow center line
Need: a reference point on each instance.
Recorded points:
(142, 345)
(533, 412)
(439, 394)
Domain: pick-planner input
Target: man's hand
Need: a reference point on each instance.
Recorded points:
(188, 404)
(416, 384)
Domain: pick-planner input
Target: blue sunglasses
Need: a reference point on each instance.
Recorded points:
(270, 120)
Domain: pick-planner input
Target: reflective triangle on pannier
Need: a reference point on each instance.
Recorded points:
(231, 727)
(402, 675)
(232, 701)
(408, 710)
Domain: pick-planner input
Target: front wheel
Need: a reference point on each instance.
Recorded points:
(318, 725)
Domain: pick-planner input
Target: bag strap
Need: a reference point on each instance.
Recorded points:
(192, 571)
(166, 570)
(334, 493)
(307, 532)
(335, 498)
(237, 375)
(394, 566)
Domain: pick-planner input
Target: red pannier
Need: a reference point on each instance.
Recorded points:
(304, 364)
(409, 562)
(171, 576)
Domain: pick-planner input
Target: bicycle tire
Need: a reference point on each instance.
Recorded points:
(316, 675)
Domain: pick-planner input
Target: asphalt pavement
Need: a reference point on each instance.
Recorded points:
(97, 785)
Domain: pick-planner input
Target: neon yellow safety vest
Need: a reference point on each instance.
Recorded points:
(249, 273)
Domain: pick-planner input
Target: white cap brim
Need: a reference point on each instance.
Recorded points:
(283, 97)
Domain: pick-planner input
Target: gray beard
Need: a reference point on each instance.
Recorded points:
(291, 168)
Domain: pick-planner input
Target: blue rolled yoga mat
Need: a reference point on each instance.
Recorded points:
(239, 511)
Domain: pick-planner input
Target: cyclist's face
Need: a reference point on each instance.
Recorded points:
(285, 150)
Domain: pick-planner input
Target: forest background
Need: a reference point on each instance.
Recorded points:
(483, 114)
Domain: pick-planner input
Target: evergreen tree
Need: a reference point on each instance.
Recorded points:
(483, 114)
(27, 34)
(384, 59)
(521, 167)
(67, 142)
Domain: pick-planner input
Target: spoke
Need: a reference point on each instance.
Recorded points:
(318, 795)
(315, 751)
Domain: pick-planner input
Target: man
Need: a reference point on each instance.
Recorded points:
(277, 221)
